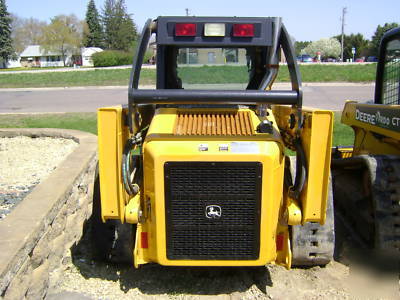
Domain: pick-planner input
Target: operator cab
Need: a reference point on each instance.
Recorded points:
(254, 44)
(215, 42)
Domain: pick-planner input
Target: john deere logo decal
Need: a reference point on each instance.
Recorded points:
(381, 117)
(213, 211)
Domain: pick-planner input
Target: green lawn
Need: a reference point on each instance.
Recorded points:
(73, 78)
(79, 121)
(309, 73)
(191, 75)
(342, 134)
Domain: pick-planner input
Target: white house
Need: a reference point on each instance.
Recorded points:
(87, 55)
(36, 56)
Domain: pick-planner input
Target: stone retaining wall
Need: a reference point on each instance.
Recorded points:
(36, 237)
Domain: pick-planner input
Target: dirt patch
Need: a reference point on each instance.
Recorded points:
(97, 280)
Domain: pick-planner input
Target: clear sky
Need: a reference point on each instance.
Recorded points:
(305, 19)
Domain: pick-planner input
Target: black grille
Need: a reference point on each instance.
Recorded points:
(231, 188)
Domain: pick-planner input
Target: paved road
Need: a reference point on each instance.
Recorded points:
(329, 96)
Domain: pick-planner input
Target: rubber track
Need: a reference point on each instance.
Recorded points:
(313, 244)
(385, 187)
(112, 241)
(374, 210)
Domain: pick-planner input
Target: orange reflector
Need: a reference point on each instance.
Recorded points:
(243, 30)
(144, 240)
(279, 241)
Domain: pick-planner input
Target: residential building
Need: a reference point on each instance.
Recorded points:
(87, 55)
(212, 56)
(36, 56)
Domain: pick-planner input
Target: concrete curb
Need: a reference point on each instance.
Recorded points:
(24, 227)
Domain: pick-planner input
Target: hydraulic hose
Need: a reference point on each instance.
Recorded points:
(131, 185)
(301, 170)
(131, 188)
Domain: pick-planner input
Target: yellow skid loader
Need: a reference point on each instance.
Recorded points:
(201, 177)
(367, 176)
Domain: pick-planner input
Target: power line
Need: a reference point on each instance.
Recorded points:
(344, 12)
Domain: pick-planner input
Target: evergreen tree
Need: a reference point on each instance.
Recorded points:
(6, 47)
(119, 28)
(94, 35)
(379, 32)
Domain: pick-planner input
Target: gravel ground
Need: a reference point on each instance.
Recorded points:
(85, 278)
(25, 162)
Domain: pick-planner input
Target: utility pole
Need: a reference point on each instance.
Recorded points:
(187, 11)
(344, 11)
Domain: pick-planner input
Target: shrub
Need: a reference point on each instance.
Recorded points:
(110, 58)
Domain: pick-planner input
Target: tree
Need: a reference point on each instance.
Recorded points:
(26, 32)
(63, 35)
(376, 38)
(94, 35)
(6, 47)
(298, 46)
(328, 48)
(354, 41)
(119, 28)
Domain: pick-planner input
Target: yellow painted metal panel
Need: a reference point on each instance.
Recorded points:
(317, 142)
(111, 136)
(156, 153)
(366, 139)
(316, 137)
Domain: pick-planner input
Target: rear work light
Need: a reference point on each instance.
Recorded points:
(243, 30)
(214, 29)
(185, 29)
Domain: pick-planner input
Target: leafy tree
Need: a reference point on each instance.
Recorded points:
(119, 28)
(63, 35)
(26, 32)
(327, 47)
(94, 35)
(379, 32)
(354, 40)
(6, 47)
(298, 46)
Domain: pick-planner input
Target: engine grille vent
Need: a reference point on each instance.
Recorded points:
(231, 230)
(235, 123)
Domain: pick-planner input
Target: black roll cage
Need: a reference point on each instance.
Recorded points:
(388, 36)
(280, 38)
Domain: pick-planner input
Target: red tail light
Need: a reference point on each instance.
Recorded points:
(243, 30)
(185, 29)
